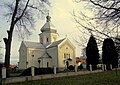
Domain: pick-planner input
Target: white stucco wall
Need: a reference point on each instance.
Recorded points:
(43, 37)
(54, 37)
(44, 62)
(25, 57)
(22, 57)
(53, 52)
(66, 47)
(33, 61)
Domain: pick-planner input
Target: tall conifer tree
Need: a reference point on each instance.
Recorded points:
(109, 53)
(92, 53)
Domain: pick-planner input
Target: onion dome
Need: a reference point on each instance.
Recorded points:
(48, 26)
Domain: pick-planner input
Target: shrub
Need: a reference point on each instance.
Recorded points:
(71, 67)
(38, 71)
(26, 72)
(80, 67)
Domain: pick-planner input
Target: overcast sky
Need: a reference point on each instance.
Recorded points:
(60, 12)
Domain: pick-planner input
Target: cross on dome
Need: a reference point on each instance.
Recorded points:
(48, 18)
(48, 26)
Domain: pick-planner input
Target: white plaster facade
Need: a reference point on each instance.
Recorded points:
(48, 52)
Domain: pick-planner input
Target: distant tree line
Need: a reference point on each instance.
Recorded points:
(109, 54)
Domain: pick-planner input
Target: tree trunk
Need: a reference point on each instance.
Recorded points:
(8, 40)
(8, 50)
(7, 59)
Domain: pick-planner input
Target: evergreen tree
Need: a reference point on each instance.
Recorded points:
(92, 53)
(109, 54)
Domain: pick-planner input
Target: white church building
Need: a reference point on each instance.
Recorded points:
(49, 51)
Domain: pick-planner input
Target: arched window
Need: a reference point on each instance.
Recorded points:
(47, 39)
(47, 64)
(66, 55)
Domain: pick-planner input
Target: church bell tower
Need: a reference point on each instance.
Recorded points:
(49, 32)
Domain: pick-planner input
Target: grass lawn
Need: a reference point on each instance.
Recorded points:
(104, 78)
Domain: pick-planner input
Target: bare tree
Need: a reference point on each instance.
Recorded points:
(88, 27)
(106, 19)
(21, 17)
(106, 11)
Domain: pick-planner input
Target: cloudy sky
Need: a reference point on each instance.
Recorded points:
(60, 12)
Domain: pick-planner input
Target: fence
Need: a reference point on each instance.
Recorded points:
(47, 76)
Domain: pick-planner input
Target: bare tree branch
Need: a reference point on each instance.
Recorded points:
(109, 8)
(107, 17)
(18, 18)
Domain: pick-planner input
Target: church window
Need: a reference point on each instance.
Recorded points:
(66, 55)
(69, 55)
(47, 64)
(47, 39)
